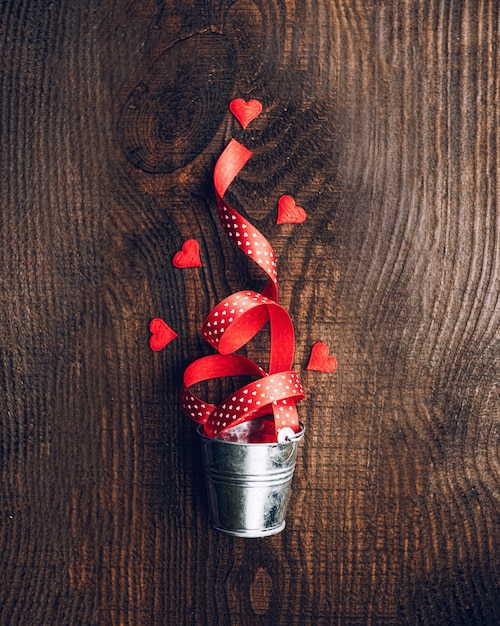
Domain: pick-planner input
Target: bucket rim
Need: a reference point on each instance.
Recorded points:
(297, 437)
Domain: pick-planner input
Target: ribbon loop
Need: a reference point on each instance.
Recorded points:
(208, 368)
(238, 318)
(271, 394)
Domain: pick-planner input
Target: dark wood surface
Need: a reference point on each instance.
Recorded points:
(381, 119)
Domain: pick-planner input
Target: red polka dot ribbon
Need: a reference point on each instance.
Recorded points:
(250, 240)
(235, 321)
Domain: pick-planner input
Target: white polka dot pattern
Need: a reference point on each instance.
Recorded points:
(223, 319)
(272, 394)
(250, 241)
(235, 321)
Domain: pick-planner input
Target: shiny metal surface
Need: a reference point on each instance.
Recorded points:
(248, 484)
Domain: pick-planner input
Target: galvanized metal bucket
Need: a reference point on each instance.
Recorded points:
(248, 484)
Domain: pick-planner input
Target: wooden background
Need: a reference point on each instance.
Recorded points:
(380, 118)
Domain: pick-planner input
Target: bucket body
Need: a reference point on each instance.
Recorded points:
(248, 484)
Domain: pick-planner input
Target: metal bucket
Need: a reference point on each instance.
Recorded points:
(248, 484)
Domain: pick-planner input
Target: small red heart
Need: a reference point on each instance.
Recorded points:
(189, 256)
(289, 212)
(244, 111)
(320, 359)
(161, 334)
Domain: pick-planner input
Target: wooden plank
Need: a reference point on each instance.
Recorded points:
(380, 119)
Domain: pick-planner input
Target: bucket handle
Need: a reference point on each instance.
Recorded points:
(281, 452)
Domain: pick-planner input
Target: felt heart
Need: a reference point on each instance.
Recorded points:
(289, 212)
(189, 256)
(320, 359)
(244, 111)
(161, 334)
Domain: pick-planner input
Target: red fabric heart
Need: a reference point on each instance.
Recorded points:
(289, 212)
(189, 256)
(244, 111)
(320, 359)
(161, 334)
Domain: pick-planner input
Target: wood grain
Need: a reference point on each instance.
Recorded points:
(380, 118)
